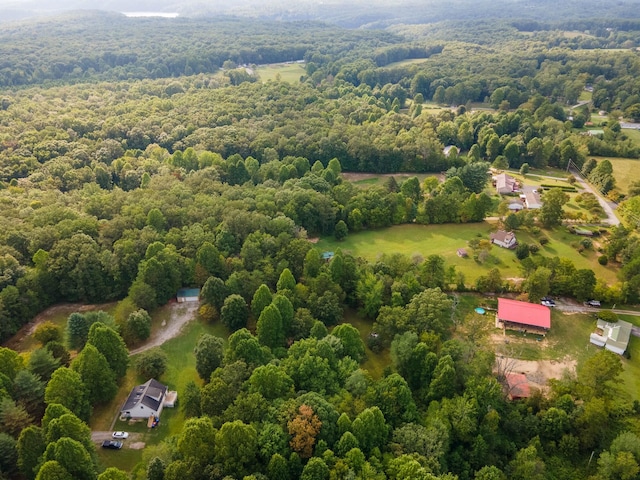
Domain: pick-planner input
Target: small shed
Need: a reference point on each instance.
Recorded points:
(515, 206)
(518, 386)
(584, 232)
(326, 256)
(462, 253)
(188, 295)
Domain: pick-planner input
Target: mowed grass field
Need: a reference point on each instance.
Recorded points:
(446, 239)
(289, 72)
(625, 170)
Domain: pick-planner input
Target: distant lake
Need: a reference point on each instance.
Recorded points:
(151, 14)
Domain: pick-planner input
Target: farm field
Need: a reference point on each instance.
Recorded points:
(446, 239)
(289, 72)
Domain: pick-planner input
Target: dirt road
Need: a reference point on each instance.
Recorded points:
(180, 315)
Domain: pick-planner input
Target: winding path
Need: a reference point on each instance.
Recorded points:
(608, 207)
(179, 315)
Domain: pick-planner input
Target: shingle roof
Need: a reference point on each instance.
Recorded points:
(502, 236)
(505, 182)
(149, 394)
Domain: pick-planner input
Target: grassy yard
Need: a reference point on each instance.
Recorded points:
(288, 72)
(180, 371)
(625, 170)
(585, 96)
(446, 239)
(375, 363)
(633, 134)
(568, 336)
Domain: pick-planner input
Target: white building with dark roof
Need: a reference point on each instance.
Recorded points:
(147, 400)
(504, 239)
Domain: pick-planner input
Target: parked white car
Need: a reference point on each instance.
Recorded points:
(120, 435)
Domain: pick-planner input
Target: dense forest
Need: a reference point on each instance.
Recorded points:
(159, 158)
(347, 13)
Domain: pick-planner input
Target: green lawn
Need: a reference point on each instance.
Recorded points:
(568, 336)
(625, 170)
(633, 134)
(446, 239)
(375, 363)
(599, 120)
(538, 176)
(585, 96)
(288, 72)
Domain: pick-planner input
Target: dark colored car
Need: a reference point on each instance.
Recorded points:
(113, 444)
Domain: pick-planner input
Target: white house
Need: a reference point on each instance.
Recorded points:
(504, 239)
(612, 336)
(147, 400)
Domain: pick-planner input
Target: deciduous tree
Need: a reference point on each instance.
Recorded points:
(97, 376)
(152, 363)
(67, 388)
(234, 313)
(304, 429)
(208, 352)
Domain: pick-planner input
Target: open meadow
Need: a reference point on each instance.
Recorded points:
(444, 240)
(625, 170)
(286, 72)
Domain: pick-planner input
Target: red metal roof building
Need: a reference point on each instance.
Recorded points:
(523, 315)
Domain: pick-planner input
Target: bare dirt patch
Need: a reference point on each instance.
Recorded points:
(179, 315)
(539, 372)
(137, 445)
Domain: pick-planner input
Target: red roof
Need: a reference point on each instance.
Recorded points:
(524, 313)
(518, 386)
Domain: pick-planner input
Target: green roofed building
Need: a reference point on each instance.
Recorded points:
(188, 295)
